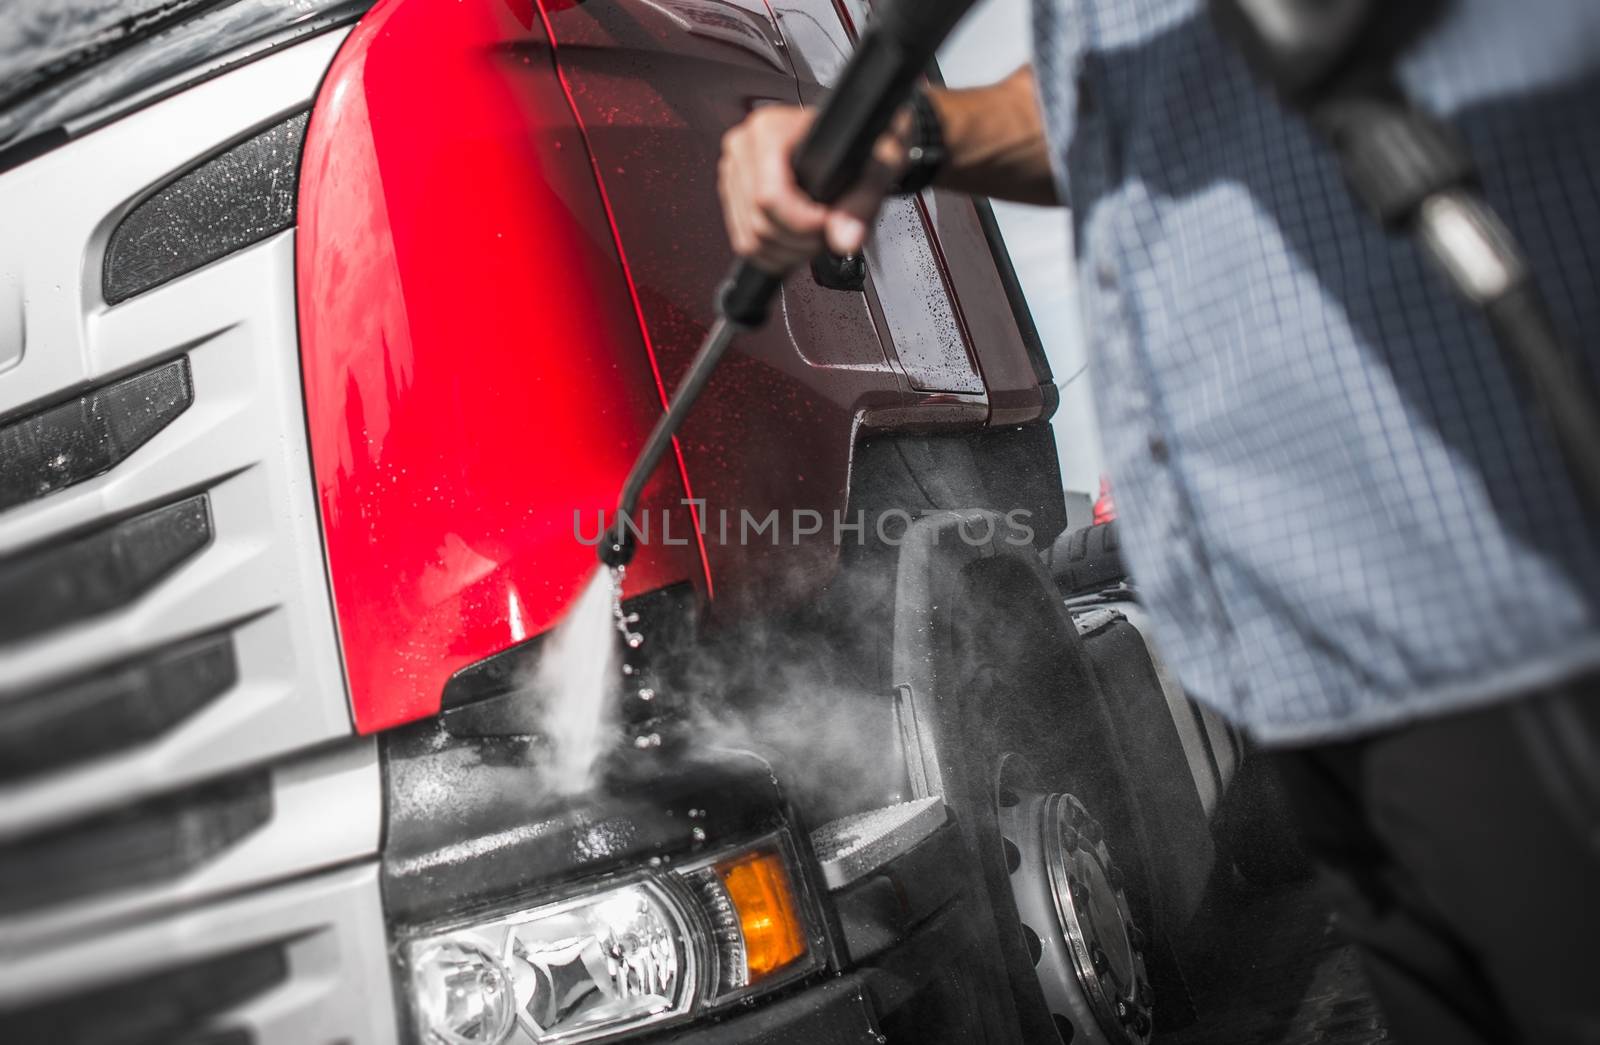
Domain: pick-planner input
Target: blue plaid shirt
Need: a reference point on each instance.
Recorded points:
(1336, 504)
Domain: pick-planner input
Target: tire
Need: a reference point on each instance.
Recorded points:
(1087, 560)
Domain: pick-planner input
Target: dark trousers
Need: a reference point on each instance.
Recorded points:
(1463, 856)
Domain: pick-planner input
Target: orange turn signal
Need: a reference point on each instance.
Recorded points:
(774, 932)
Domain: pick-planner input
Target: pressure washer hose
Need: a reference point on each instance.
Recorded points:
(898, 47)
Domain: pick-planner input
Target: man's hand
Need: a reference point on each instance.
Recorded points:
(771, 221)
(994, 138)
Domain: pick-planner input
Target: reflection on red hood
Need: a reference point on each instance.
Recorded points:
(475, 372)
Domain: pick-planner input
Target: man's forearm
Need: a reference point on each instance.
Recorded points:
(995, 139)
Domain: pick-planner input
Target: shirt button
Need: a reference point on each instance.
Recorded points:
(1158, 450)
(1106, 276)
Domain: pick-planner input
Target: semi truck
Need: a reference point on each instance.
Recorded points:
(328, 329)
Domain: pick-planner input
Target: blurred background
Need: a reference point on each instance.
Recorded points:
(992, 42)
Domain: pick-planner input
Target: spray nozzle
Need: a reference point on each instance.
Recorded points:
(618, 546)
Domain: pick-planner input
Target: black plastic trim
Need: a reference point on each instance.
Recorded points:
(41, 590)
(167, 1007)
(1014, 294)
(473, 821)
(154, 841)
(501, 674)
(884, 908)
(72, 442)
(835, 1012)
(26, 150)
(227, 1036)
(237, 197)
(506, 674)
(112, 708)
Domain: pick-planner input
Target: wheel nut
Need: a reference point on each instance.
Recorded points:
(1125, 1011)
(1069, 839)
(1097, 957)
(1136, 938)
(1080, 892)
(1141, 1024)
(1091, 832)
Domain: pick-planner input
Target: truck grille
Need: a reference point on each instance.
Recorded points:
(188, 828)
(45, 589)
(88, 436)
(301, 964)
(155, 490)
(164, 1007)
(157, 840)
(115, 707)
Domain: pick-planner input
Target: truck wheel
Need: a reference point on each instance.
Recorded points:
(989, 666)
(1087, 952)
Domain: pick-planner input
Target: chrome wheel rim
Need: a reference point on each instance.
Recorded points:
(1087, 952)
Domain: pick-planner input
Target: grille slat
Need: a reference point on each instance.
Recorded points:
(89, 575)
(160, 1009)
(154, 841)
(229, 1036)
(113, 708)
(236, 198)
(88, 436)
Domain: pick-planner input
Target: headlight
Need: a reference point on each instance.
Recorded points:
(628, 955)
(463, 992)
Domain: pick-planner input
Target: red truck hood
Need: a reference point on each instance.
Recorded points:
(477, 376)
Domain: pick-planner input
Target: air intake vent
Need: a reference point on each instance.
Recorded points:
(234, 199)
(65, 583)
(113, 708)
(167, 1008)
(88, 436)
(154, 841)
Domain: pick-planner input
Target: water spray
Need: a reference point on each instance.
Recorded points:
(897, 47)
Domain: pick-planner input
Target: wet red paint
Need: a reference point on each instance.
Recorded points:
(507, 254)
(655, 87)
(474, 372)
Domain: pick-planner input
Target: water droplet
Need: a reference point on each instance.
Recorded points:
(647, 694)
(699, 834)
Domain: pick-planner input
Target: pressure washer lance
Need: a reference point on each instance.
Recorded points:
(1333, 61)
(896, 48)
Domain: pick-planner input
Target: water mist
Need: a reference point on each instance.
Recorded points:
(576, 687)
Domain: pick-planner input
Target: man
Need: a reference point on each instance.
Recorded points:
(1354, 537)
